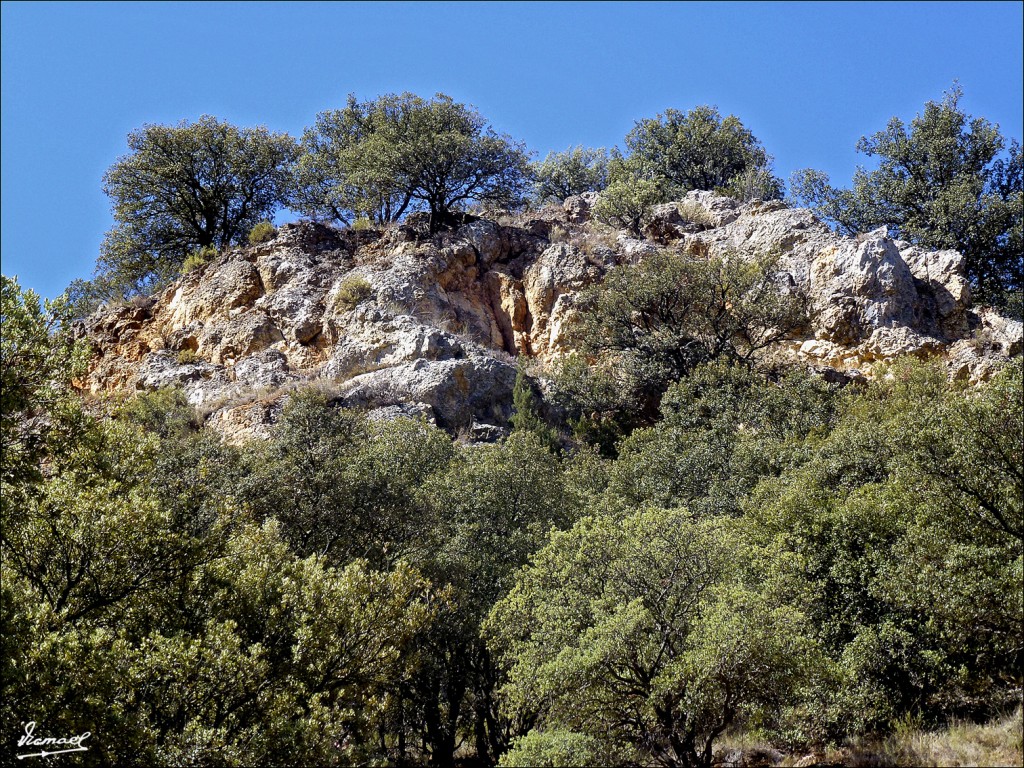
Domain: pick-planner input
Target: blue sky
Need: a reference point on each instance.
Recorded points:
(809, 79)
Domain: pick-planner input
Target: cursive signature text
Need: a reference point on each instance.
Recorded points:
(65, 744)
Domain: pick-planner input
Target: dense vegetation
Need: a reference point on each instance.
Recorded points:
(703, 546)
(771, 554)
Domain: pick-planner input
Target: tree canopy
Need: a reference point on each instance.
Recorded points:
(946, 180)
(561, 175)
(186, 187)
(700, 149)
(399, 153)
(649, 324)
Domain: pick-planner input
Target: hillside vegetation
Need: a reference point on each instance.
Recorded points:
(608, 459)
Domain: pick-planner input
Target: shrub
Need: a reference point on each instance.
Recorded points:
(351, 291)
(198, 259)
(700, 149)
(627, 201)
(187, 357)
(262, 232)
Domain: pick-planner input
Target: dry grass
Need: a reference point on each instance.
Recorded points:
(999, 742)
(351, 291)
(697, 215)
(559, 234)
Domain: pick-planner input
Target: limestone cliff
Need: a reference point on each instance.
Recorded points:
(404, 323)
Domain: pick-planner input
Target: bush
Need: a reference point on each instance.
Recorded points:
(649, 324)
(626, 202)
(700, 149)
(262, 232)
(187, 357)
(351, 291)
(198, 259)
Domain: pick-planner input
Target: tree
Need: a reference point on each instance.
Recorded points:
(525, 417)
(898, 534)
(700, 149)
(493, 506)
(38, 360)
(649, 324)
(722, 429)
(944, 181)
(336, 179)
(396, 154)
(564, 174)
(187, 187)
(628, 632)
(342, 487)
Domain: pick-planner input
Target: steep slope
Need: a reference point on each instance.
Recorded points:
(403, 323)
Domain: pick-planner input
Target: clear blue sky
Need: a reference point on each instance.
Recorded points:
(807, 78)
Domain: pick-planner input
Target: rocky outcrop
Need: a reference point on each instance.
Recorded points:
(401, 323)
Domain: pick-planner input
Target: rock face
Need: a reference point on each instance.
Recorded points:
(402, 323)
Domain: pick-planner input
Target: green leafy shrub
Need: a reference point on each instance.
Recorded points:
(647, 325)
(187, 357)
(262, 232)
(351, 291)
(699, 149)
(626, 202)
(198, 258)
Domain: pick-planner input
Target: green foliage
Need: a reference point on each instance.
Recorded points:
(700, 149)
(906, 571)
(560, 749)
(38, 360)
(342, 488)
(525, 417)
(143, 606)
(561, 175)
(187, 187)
(395, 154)
(164, 412)
(944, 181)
(351, 292)
(650, 324)
(627, 632)
(262, 232)
(198, 258)
(723, 428)
(627, 200)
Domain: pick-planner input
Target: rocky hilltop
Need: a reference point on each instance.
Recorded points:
(400, 322)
